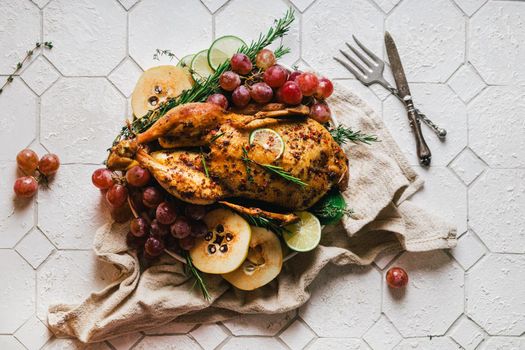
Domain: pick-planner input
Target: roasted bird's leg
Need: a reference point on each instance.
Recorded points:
(284, 219)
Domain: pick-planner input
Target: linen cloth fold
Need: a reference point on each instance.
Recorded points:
(381, 181)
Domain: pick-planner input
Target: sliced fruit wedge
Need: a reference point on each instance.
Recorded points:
(156, 85)
(185, 62)
(225, 246)
(269, 140)
(305, 234)
(222, 49)
(263, 264)
(200, 67)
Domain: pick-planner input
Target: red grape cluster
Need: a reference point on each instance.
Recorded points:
(161, 222)
(35, 170)
(268, 81)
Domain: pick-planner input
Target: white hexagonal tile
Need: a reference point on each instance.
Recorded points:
(20, 29)
(168, 342)
(16, 215)
(466, 83)
(11, 343)
(125, 76)
(17, 132)
(297, 335)
(495, 292)
(345, 301)
(89, 36)
(35, 248)
(71, 344)
(387, 5)
(468, 251)
(33, 334)
(467, 334)
(364, 93)
(358, 17)
(249, 343)
(338, 343)
(125, 342)
(256, 18)
(17, 293)
(192, 33)
(259, 324)
(495, 32)
(468, 166)
(432, 343)
(503, 343)
(40, 75)
(496, 207)
(41, 3)
(470, 6)
(383, 335)
(68, 277)
(441, 105)
(496, 126)
(171, 328)
(431, 47)
(435, 280)
(67, 216)
(214, 5)
(443, 194)
(80, 118)
(302, 4)
(209, 336)
(128, 3)
(384, 258)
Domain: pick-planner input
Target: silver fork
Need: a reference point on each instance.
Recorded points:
(372, 73)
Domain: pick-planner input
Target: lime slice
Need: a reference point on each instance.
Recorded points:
(222, 49)
(305, 234)
(269, 140)
(185, 62)
(199, 65)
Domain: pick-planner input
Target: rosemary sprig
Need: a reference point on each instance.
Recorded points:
(264, 222)
(191, 270)
(343, 134)
(19, 65)
(215, 137)
(247, 162)
(203, 158)
(203, 88)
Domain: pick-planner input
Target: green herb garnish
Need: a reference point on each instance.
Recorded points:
(264, 222)
(192, 271)
(203, 158)
(214, 138)
(343, 134)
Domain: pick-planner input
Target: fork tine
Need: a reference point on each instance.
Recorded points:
(360, 55)
(376, 59)
(354, 62)
(352, 70)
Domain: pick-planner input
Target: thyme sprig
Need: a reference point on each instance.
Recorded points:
(29, 54)
(330, 211)
(192, 271)
(343, 134)
(205, 87)
(203, 158)
(247, 162)
(159, 53)
(216, 136)
(264, 222)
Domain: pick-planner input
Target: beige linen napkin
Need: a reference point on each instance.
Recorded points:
(380, 183)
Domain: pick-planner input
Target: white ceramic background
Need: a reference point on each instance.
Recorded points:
(466, 62)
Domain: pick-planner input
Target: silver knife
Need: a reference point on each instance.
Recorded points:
(423, 152)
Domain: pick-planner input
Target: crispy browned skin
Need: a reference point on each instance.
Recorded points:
(310, 154)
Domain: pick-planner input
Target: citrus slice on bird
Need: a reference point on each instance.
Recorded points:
(200, 67)
(222, 49)
(305, 234)
(185, 62)
(269, 140)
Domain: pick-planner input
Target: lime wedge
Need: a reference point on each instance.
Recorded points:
(269, 140)
(185, 62)
(305, 234)
(222, 49)
(200, 67)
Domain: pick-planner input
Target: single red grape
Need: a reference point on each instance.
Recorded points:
(187, 242)
(151, 197)
(117, 195)
(264, 59)
(290, 93)
(241, 63)
(166, 213)
(134, 241)
(275, 76)
(180, 228)
(49, 164)
(324, 89)
(396, 277)
(229, 80)
(294, 75)
(261, 93)
(139, 227)
(154, 246)
(241, 96)
(25, 186)
(219, 100)
(320, 112)
(135, 197)
(27, 161)
(308, 83)
(195, 212)
(158, 229)
(198, 228)
(122, 214)
(102, 178)
(138, 176)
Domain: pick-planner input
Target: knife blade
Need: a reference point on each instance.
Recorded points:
(423, 151)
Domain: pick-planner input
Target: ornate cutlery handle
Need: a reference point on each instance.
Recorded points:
(423, 152)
